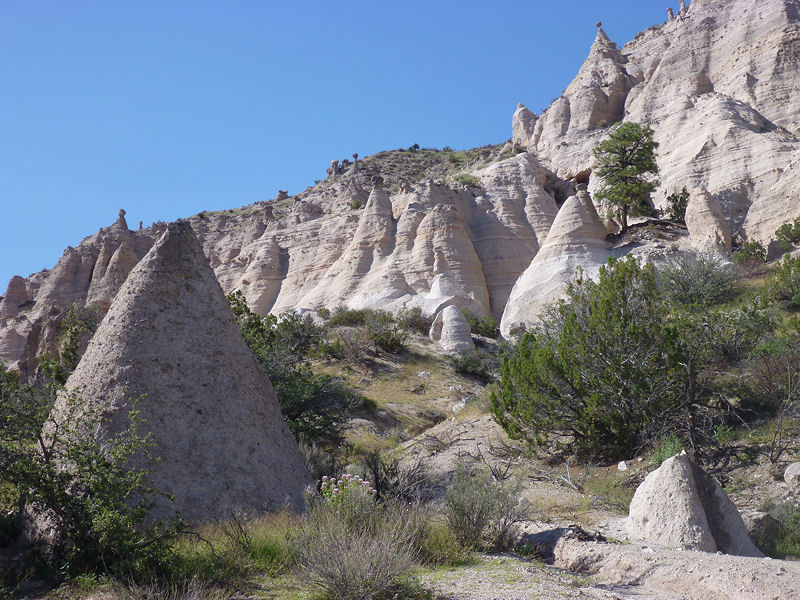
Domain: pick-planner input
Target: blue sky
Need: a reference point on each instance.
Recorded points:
(169, 107)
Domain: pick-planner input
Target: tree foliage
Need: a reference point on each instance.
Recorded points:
(314, 406)
(615, 367)
(624, 161)
(95, 504)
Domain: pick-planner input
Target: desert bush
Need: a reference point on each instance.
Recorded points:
(385, 332)
(95, 502)
(353, 547)
(751, 256)
(355, 204)
(784, 282)
(348, 317)
(467, 180)
(413, 320)
(354, 344)
(706, 279)
(315, 406)
(475, 363)
(394, 479)
(665, 448)
(676, 205)
(485, 326)
(438, 545)
(324, 313)
(75, 328)
(612, 369)
(481, 512)
(788, 235)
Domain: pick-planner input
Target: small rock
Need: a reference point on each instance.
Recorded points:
(792, 476)
(622, 466)
(423, 374)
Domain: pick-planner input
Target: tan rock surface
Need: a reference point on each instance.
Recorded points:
(171, 341)
(451, 329)
(680, 506)
(577, 238)
(708, 228)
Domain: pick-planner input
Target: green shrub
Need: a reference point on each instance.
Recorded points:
(705, 280)
(676, 205)
(788, 543)
(475, 363)
(750, 253)
(315, 407)
(665, 448)
(355, 548)
(413, 320)
(438, 545)
(784, 282)
(467, 180)
(788, 235)
(485, 326)
(385, 332)
(481, 512)
(324, 313)
(343, 316)
(355, 204)
(97, 504)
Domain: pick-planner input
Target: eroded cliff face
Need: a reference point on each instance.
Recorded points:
(719, 84)
(429, 244)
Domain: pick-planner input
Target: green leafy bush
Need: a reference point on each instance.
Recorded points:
(705, 280)
(385, 332)
(611, 369)
(677, 202)
(343, 316)
(413, 320)
(482, 512)
(475, 363)
(485, 326)
(750, 253)
(96, 503)
(784, 282)
(467, 180)
(314, 406)
(788, 235)
(666, 448)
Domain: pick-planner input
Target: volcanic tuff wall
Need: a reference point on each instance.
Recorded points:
(719, 84)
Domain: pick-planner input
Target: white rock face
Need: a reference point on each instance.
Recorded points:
(451, 329)
(170, 340)
(792, 476)
(577, 238)
(708, 228)
(680, 506)
(719, 86)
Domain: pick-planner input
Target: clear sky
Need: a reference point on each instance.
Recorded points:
(169, 107)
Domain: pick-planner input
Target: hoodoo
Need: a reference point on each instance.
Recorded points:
(170, 341)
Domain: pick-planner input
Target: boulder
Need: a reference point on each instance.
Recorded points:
(762, 527)
(169, 341)
(792, 476)
(680, 506)
(706, 222)
(451, 329)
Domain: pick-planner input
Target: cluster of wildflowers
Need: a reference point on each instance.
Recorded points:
(335, 490)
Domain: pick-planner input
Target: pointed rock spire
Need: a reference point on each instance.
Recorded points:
(170, 340)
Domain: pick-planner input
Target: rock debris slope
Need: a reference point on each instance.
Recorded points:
(170, 340)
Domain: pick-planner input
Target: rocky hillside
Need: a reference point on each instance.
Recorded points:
(718, 82)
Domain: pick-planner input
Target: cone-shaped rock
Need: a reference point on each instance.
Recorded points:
(170, 340)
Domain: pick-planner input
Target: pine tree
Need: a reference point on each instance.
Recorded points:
(624, 161)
